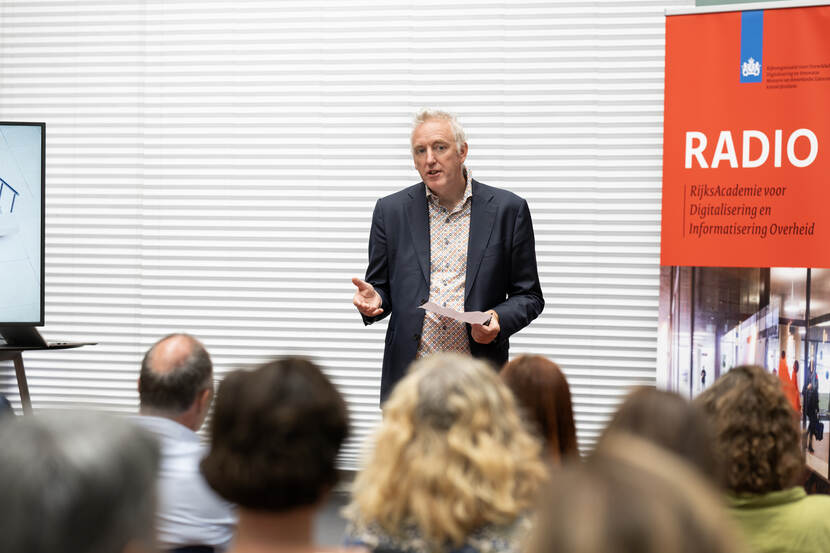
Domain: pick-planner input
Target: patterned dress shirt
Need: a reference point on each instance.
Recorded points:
(449, 235)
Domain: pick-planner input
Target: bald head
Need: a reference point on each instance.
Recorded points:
(171, 352)
(173, 374)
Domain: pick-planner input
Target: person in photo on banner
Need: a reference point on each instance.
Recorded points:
(456, 242)
(791, 389)
(811, 407)
(784, 375)
(805, 391)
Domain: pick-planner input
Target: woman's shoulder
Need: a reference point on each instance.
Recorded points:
(342, 549)
(490, 538)
(374, 538)
(306, 549)
(497, 538)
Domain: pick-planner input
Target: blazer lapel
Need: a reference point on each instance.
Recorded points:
(419, 227)
(482, 217)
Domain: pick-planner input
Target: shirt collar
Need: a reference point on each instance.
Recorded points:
(468, 188)
(759, 501)
(166, 427)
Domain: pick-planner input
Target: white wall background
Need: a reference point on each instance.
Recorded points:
(212, 168)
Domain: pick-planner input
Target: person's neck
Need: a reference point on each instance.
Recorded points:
(259, 531)
(186, 419)
(454, 198)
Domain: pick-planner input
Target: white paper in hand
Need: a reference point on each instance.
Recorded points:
(471, 317)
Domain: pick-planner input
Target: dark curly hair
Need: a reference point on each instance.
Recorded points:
(275, 434)
(756, 432)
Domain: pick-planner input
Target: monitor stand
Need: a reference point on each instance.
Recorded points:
(22, 336)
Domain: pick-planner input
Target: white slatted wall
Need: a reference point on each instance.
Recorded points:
(212, 168)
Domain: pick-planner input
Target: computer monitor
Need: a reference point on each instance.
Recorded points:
(22, 226)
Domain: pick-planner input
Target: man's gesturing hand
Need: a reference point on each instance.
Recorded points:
(366, 299)
(486, 334)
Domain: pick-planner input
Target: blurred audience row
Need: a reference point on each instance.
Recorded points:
(465, 460)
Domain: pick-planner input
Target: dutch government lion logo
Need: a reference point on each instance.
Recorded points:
(751, 68)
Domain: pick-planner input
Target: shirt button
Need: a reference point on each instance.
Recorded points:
(448, 220)
(443, 327)
(446, 242)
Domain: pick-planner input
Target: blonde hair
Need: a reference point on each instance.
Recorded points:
(427, 114)
(450, 456)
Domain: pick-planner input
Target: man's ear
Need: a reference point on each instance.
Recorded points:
(205, 398)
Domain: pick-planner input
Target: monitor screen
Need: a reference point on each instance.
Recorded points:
(22, 186)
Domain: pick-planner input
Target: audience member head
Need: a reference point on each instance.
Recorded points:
(756, 434)
(671, 422)
(450, 456)
(632, 497)
(275, 434)
(76, 482)
(176, 380)
(542, 392)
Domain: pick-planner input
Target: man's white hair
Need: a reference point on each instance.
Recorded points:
(426, 114)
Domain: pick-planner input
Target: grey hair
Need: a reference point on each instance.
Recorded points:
(79, 482)
(445, 377)
(426, 114)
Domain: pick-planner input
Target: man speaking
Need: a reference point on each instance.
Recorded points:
(453, 241)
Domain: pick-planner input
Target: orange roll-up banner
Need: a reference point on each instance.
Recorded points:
(746, 141)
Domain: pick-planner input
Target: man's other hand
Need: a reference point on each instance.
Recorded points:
(486, 334)
(366, 299)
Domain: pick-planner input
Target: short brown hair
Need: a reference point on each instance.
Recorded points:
(542, 392)
(275, 435)
(756, 431)
(671, 422)
(632, 497)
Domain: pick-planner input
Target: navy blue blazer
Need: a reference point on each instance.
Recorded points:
(501, 271)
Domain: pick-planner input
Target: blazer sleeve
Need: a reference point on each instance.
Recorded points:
(524, 295)
(377, 273)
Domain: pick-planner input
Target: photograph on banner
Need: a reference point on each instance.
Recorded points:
(715, 318)
(745, 271)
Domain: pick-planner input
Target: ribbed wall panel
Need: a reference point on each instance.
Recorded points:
(212, 168)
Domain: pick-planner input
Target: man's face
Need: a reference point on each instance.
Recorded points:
(437, 158)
